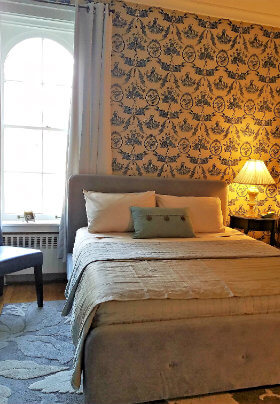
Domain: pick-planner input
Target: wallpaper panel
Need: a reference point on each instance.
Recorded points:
(194, 97)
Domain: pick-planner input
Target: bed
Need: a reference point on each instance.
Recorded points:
(153, 347)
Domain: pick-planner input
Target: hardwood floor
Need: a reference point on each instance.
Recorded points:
(19, 293)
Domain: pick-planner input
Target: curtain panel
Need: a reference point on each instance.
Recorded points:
(89, 139)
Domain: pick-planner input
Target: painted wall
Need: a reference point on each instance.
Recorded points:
(252, 11)
(255, 11)
(194, 97)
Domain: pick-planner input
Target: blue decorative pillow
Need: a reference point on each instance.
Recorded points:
(161, 222)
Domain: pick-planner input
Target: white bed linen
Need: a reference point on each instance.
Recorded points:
(123, 312)
(229, 233)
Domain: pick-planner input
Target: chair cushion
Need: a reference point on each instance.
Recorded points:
(13, 259)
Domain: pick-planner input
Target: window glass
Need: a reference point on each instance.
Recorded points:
(54, 158)
(23, 192)
(37, 91)
(55, 111)
(22, 150)
(53, 72)
(53, 193)
(22, 103)
(24, 62)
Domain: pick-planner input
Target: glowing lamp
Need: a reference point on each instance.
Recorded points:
(254, 172)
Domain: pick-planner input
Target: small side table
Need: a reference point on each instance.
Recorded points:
(256, 224)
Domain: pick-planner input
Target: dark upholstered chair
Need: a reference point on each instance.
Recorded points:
(13, 259)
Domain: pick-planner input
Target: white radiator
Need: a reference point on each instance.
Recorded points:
(46, 242)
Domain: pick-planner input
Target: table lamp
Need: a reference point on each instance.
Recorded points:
(254, 172)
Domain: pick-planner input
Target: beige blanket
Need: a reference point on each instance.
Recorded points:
(155, 270)
(87, 250)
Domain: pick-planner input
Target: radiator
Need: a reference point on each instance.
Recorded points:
(46, 242)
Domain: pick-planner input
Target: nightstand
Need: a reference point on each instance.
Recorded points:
(255, 224)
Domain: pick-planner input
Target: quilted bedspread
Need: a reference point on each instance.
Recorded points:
(125, 271)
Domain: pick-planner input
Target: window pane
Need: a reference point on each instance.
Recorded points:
(23, 104)
(22, 192)
(57, 64)
(56, 103)
(24, 61)
(54, 152)
(37, 91)
(53, 192)
(22, 150)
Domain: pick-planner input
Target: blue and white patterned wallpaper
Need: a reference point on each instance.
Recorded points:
(195, 97)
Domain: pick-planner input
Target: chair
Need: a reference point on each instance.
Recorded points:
(13, 259)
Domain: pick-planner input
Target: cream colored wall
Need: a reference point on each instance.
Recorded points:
(257, 11)
(263, 7)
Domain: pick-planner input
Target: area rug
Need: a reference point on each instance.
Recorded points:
(36, 359)
(36, 355)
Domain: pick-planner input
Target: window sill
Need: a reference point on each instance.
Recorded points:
(40, 226)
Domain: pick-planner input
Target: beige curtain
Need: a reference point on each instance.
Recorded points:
(89, 141)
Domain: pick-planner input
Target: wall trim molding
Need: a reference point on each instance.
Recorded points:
(30, 8)
(250, 11)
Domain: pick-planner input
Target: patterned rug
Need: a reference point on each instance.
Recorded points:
(36, 356)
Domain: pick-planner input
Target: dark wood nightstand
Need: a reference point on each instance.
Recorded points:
(256, 224)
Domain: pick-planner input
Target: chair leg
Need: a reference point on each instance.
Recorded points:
(1, 285)
(39, 284)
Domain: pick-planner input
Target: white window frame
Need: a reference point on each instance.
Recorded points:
(20, 20)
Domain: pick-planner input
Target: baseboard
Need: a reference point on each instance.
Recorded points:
(29, 278)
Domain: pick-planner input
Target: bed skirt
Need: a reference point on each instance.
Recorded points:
(134, 363)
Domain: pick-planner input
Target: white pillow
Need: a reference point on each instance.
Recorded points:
(205, 212)
(108, 212)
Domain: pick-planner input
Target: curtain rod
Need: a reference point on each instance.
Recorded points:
(60, 3)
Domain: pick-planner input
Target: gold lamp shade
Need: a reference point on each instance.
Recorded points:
(254, 172)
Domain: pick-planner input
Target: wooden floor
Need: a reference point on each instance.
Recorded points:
(19, 293)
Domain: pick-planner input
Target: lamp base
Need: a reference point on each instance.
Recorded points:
(252, 193)
(251, 212)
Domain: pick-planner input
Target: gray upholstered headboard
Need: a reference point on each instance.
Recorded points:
(76, 214)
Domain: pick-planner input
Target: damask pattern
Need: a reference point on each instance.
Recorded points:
(194, 97)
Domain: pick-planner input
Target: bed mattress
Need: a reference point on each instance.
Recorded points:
(137, 311)
(162, 310)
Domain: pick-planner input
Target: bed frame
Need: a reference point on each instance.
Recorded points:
(134, 363)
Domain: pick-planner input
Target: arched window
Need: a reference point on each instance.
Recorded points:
(37, 93)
